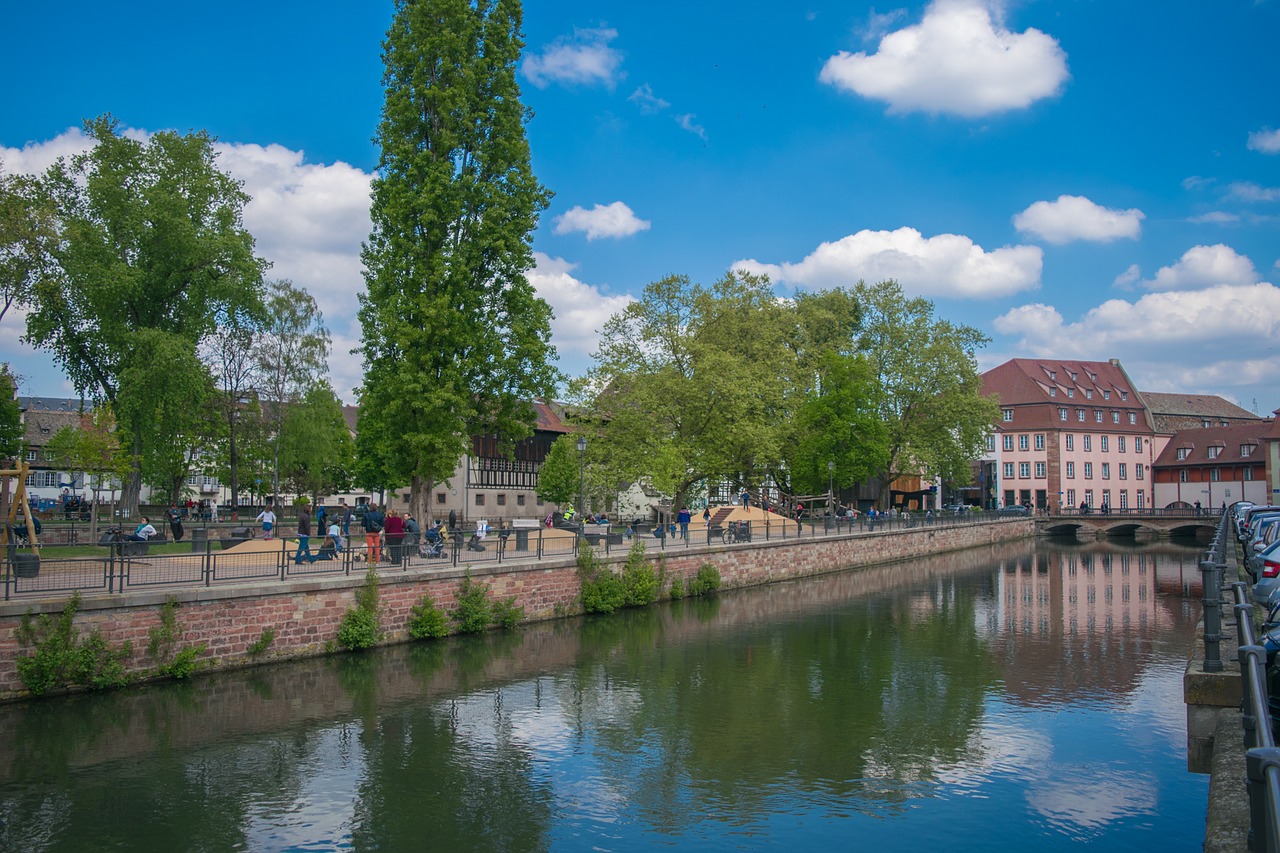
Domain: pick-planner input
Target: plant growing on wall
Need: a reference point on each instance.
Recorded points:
(362, 624)
(62, 659)
(162, 645)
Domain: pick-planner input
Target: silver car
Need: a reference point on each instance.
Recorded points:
(1267, 573)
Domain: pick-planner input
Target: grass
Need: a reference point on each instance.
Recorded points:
(62, 552)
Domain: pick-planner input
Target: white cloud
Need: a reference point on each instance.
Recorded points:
(583, 59)
(1249, 191)
(580, 310)
(943, 265)
(956, 60)
(603, 220)
(1214, 217)
(1266, 140)
(1129, 277)
(1152, 335)
(649, 103)
(34, 157)
(1204, 266)
(687, 122)
(1074, 217)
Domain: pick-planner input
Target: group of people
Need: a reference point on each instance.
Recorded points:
(400, 530)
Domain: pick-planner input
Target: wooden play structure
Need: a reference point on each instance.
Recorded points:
(18, 501)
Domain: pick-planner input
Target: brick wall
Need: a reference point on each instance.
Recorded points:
(306, 614)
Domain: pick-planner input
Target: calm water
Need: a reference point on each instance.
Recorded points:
(1001, 699)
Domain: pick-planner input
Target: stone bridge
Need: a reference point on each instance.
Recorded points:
(1142, 525)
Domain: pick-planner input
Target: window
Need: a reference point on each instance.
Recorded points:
(1073, 376)
(1071, 497)
(1214, 451)
(1137, 471)
(1137, 444)
(1097, 415)
(1106, 470)
(502, 500)
(1088, 496)
(1040, 470)
(1008, 442)
(1246, 450)
(1071, 470)
(1053, 374)
(1024, 442)
(479, 499)
(1088, 444)
(1142, 498)
(1115, 417)
(991, 444)
(1088, 393)
(1182, 475)
(1215, 474)
(1204, 424)
(1123, 471)
(1024, 470)
(31, 456)
(1106, 497)
(1124, 498)
(1106, 395)
(1120, 444)
(1103, 440)
(1053, 392)
(1133, 418)
(1246, 473)
(440, 497)
(1088, 470)
(1183, 452)
(1008, 470)
(1062, 413)
(519, 500)
(1008, 416)
(1071, 442)
(1039, 442)
(1080, 415)
(1008, 497)
(1071, 392)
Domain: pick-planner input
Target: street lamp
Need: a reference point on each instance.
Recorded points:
(831, 490)
(582, 479)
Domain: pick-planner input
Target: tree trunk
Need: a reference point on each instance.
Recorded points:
(235, 485)
(420, 499)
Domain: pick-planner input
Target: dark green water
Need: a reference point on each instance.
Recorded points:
(999, 699)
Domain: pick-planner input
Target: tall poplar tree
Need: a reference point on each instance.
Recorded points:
(455, 340)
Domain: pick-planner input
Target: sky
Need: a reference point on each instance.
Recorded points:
(1078, 179)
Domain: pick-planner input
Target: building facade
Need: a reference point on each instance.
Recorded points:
(1214, 467)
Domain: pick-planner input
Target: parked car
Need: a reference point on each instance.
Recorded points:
(1265, 568)
(1014, 510)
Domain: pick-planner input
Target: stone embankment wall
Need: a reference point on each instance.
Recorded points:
(305, 615)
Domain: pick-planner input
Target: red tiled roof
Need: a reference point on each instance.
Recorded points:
(1037, 388)
(1229, 438)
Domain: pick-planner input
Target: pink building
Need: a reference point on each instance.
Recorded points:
(1070, 433)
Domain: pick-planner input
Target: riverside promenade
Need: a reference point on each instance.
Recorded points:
(230, 601)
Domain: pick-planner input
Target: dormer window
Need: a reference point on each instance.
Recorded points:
(1183, 452)
(1214, 451)
(1106, 395)
(1071, 392)
(1088, 393)
(1053, 392)
(1008, 416)
(1246, 450)
(1124, 396)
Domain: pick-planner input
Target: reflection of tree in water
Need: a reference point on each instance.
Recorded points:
(431, 785)
(856, 702)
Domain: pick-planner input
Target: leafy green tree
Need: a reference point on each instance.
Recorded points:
(560, 475)
(929, 413)
(26, 232)
(230, 353)
(694, 383)
(454, 338)
(94, 448)
(11, 430)
(316, 451)
(292, 356)
(148, 247)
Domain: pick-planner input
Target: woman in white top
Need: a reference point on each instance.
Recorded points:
(268, 519)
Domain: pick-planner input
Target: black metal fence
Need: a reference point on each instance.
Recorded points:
(124, 566)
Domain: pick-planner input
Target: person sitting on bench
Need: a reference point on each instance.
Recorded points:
(143, 531)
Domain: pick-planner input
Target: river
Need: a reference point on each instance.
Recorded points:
(1018, 697)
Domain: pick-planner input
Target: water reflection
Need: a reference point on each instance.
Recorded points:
(1003, 698)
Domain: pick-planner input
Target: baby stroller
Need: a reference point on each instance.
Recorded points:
(434, 544)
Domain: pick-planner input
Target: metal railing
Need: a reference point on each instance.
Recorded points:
(120, 567)
(1262, 757)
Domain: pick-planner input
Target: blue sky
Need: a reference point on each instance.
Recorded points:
(1079, 179)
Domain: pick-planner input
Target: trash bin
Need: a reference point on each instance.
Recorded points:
(199, 540)
(26, 565)
(522, 539)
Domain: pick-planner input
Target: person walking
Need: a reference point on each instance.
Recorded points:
(682, 518)
(372, 522)
(304, 554)
(347, 516)
(268, 519)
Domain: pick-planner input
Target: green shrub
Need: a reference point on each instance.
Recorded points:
(60, 659)
(639, 579)
(361, 625)
(706, 582)
(259, 646)
(507, 613)
(474, 612)
(677, 588)
(426, 621)
(602, 590)
(162, 645)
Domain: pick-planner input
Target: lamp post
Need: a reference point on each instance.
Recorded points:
(831, 489)
(582, 479)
